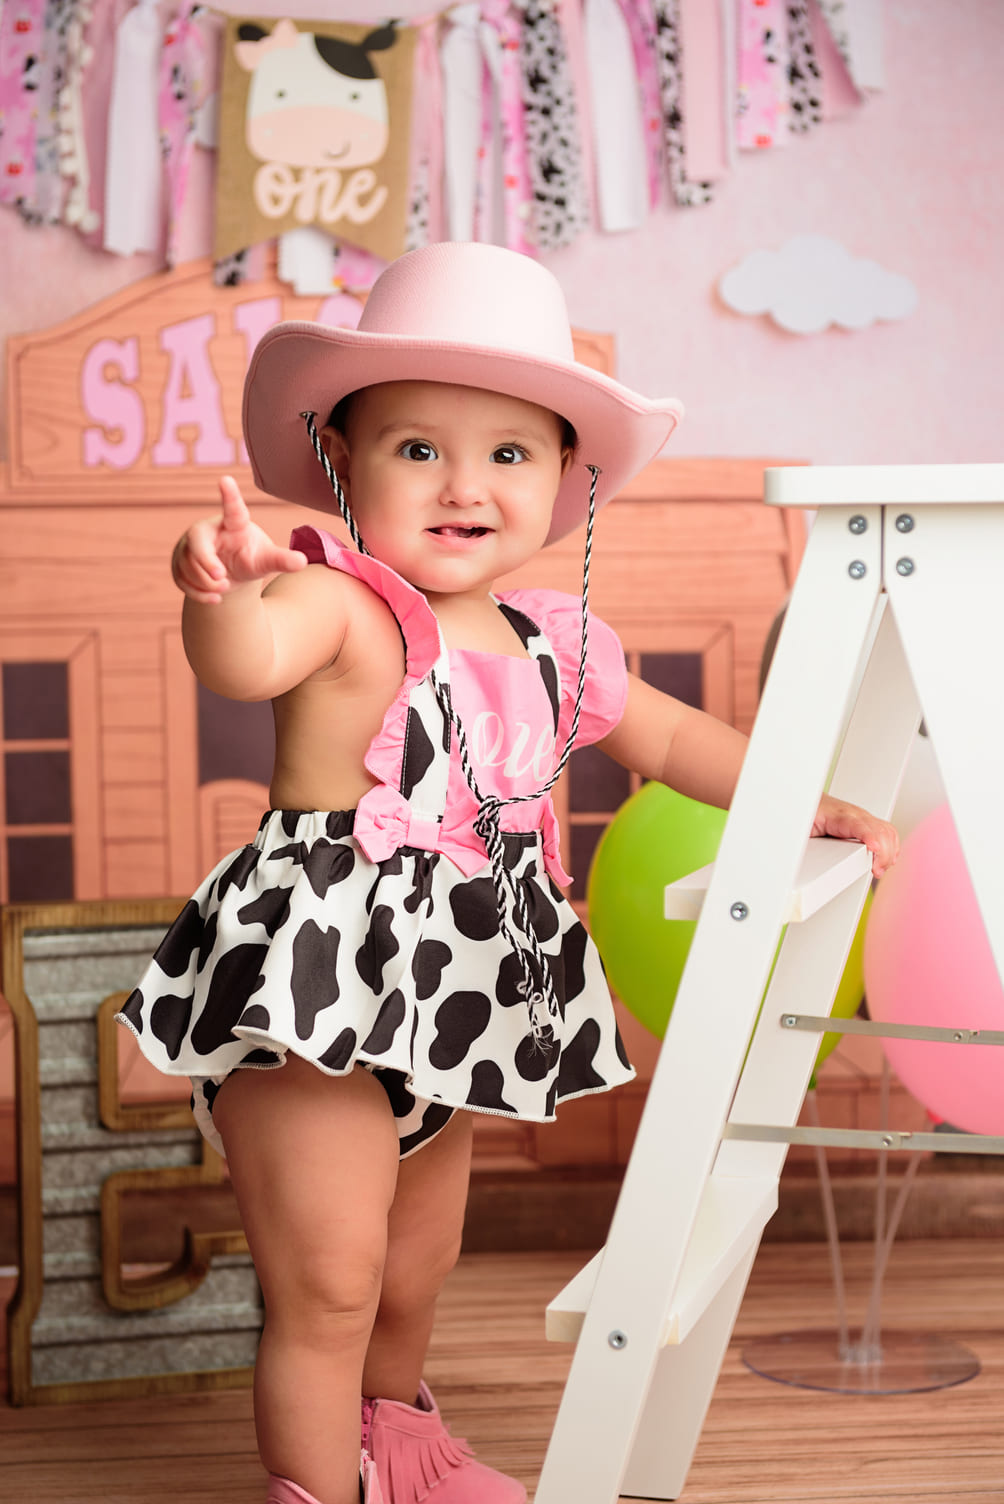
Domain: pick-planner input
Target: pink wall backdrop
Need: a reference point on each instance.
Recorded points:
(914, 179)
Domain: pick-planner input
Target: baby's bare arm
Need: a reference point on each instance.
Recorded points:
(661, 738)
(253, 621)
(699, 756)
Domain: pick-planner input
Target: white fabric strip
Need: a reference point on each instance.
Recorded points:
(617, 131)
(490, 220)
(862, 25)
(307, 260)
(462, 63)
(134, 198)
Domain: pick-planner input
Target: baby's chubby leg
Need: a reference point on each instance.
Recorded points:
(314, 1164)
(424, 1233)
(415, 1455)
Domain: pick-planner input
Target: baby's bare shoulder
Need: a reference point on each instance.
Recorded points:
(343, 612)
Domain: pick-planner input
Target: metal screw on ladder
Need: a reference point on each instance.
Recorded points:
(904, 523)
(858, 524)
(617, 1339)
(905, 566)
(857, 569)
(739, 910)
(788, 1020)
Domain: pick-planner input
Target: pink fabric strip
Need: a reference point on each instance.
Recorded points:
(489, 153)
(707, 114)
(426, 169)
(640, 19)
(183, 85)
(514, 191)
(570, 17)
(22, 37)
(762, 118)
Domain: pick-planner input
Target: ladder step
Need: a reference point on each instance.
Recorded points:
(733, 1213)
(828, 868)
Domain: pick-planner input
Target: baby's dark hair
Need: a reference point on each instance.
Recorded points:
(339, 417)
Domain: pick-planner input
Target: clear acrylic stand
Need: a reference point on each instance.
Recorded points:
(875, 1362)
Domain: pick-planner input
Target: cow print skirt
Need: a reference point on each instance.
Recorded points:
(299, 942)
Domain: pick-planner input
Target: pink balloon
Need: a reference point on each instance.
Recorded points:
(928, 961)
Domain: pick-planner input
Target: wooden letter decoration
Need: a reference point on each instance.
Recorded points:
(78, 1326)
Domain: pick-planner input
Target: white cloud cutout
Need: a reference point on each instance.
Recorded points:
(813, 282)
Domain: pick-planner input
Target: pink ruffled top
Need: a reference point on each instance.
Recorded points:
(505, 708)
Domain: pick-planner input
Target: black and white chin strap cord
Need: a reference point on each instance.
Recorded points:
(538, 989)
(335, 483)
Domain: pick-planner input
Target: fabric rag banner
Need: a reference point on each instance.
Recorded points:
(315, 122)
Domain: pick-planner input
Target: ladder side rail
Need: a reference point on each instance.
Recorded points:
(950, 612)
(868, 771)
(779, 1065)
(801, 720)
(681, 1391)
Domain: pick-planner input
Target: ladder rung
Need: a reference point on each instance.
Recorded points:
(828, 868)
(819, 1023)
(867, 1138)
(733, 1213)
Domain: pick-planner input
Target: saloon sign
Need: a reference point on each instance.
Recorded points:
(143, 390)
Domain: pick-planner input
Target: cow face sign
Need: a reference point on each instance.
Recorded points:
(314, 100)
(315, 130)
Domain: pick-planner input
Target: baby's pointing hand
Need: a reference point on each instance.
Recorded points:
(847, 822)
(227, 550)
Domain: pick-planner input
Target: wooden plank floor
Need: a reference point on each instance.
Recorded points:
(499, 1383)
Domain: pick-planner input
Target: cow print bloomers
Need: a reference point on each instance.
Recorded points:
(372, 935)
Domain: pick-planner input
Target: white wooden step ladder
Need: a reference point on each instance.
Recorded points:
(898, 611)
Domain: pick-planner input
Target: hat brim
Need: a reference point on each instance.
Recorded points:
(302, 367)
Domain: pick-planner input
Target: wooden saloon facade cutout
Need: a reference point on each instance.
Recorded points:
(121, 781)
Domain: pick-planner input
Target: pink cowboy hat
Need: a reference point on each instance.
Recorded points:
(467, 314)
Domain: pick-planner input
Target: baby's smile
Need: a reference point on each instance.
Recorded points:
(453, 530)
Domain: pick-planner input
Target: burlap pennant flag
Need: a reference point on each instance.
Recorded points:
(315, 119)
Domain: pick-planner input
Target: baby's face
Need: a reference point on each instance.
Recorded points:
(451, 486)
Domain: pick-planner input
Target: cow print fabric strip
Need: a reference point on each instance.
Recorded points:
(806, 108)
(550, 116)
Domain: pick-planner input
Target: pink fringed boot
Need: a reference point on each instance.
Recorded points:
(417, 1459)
(282, 1491)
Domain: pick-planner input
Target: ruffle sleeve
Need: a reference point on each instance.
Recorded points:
(605, 693)
(415, 615)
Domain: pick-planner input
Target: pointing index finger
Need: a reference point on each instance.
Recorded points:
(235, 511)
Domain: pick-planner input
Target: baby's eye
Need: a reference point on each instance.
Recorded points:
(418, 449)
(509, 454)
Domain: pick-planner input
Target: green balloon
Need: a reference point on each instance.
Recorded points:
(655, 837)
